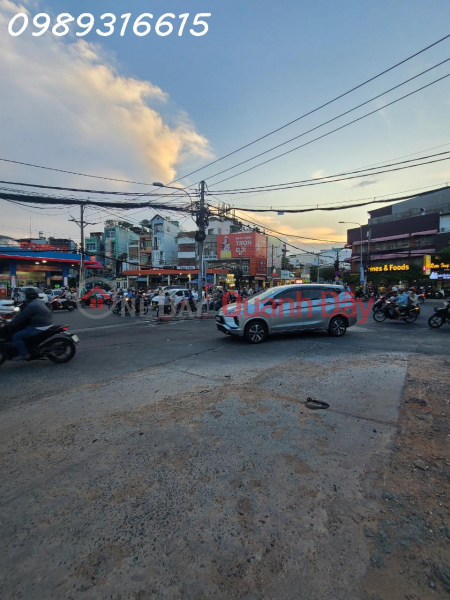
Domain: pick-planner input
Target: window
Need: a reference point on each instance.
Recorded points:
(159, 228)
(290, 294)
(91, 246)
(210, 231)
(156, 243)
(312, 293)
(110, 233)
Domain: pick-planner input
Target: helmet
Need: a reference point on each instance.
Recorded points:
(394, 289)
(31, 293)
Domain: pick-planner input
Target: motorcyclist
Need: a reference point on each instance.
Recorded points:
(402, 301)
(413, 297)
(34, 318)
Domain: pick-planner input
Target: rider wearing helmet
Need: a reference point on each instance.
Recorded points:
(32, 320)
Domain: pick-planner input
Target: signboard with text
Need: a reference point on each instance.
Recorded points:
(242, 245)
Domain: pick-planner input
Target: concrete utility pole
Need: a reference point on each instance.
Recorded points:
(200, 236)
(82, 224)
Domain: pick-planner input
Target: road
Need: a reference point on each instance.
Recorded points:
(171, 461)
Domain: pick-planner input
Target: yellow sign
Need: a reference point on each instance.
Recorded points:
(427, 264)
(387, 268)
(441, 265)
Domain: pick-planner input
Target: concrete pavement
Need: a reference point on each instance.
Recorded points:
(170, 461)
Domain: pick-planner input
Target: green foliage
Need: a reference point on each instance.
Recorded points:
(445, 250)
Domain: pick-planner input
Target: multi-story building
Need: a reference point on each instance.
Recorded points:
(186, 251)
(145, 249)
(117, 239)
(400, 236)
(164, 240)
(95, 245)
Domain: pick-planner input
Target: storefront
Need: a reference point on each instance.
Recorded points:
(152, 278)
(436, 267)
(44, 269)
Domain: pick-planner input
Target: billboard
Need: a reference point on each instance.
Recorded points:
(245, 245)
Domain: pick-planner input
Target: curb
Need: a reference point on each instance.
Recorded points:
(165, 319)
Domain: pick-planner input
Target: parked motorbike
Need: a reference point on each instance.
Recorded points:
(441, 315)
(421, 298)
(53, 343)
(62, 304)
(408, 314)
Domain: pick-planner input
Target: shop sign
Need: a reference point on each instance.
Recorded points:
(388, 267)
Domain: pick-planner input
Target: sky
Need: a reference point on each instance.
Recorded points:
(156, 108)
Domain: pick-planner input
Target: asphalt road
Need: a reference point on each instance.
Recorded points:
(168, 460)
(114, 346)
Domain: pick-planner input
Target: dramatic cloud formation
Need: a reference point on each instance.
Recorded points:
(64, 96)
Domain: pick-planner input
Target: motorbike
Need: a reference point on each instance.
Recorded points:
(62, 304)
(441, 315)
(53, 344)
(130, 306)
(379, 303)
(434, 294)
(408, 314)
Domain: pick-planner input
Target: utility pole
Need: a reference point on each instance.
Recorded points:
(82, 244)
(202, 223)
(82, 224)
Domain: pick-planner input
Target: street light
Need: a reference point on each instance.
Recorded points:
(171, 187)
(361, 232)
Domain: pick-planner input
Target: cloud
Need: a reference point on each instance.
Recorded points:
(64, 102)
(321, 232)
(318, 174)
(365, 183)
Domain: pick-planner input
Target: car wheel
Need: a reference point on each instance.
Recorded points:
(379, 316)
(255, 332)
(337, 327)
(435, 321)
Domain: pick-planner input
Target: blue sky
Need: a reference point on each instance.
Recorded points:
(260, 65)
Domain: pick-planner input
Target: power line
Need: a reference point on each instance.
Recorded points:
(321, 136)
(321, 180)
(314, 110)
(35, 199)
(18, 162)
(67, 189)
(341, 207)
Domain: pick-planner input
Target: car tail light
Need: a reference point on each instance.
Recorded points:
(65, 328)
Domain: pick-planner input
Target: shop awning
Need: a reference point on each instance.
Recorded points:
(429, 232)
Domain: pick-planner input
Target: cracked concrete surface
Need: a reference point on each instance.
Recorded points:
(201, 479)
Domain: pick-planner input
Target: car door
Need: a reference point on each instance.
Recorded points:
(285, 317)
(312, 313)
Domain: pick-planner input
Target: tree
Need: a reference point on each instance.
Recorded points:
(146, 223)
(445, 250)
(285, 264)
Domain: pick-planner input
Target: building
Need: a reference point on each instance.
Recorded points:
(116, 245)
(133, 251)
(398, 238)
(40, 267)
(165, 246)
(187, 257)
(145, 249)
(244, 254)
(94, 245)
